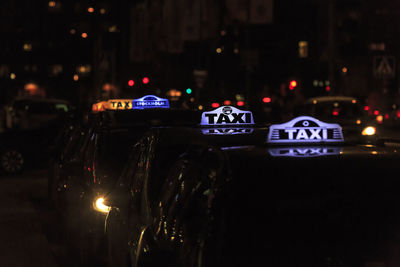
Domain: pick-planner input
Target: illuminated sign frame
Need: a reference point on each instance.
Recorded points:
(226, 116)
(150, 101)
(305, 129)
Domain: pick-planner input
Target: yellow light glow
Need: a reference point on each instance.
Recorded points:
(113, 28)
(103, 11)
(370, 130)
(76, 77)
(13, 76)
(353, 101)
(99, 205)
(52, 3)
(84, 35)
(379, 118)
(90, 9)
(27, 47)
(218, 50)
(201, 107)
(358, 121)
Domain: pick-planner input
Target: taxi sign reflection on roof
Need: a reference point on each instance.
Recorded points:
(305, 129)
(226, 115)
(305, 152)
(150, 101)
(227, 131)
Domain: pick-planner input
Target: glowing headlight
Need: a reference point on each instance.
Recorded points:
(99, 205)
(370, 130)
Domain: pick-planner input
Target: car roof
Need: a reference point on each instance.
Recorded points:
(331, 99)
(43, 100)
(148, 117)
(197, 136)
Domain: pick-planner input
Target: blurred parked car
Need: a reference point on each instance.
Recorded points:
(32, 128)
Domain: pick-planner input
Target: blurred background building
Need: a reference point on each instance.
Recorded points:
(205, 49)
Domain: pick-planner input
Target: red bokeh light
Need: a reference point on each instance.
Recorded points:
(267, 100)
(145, 80)
(240, 103)
(131, 82)
(215, 105)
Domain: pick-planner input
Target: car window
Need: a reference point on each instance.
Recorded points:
(335, 109)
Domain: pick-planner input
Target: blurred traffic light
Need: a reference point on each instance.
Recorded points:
(189, 91)
(131, 83)
(145, 80)
(292, 84)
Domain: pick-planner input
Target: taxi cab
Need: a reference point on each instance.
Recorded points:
(304, 197)
(152, 158)
(95, 158)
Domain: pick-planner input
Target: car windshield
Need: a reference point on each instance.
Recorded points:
(335, 109)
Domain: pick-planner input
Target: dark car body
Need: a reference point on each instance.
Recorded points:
(90, 169)
(148, 169)
(314, 205)
(32, 128)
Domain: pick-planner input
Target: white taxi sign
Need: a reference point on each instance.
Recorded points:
(150, 101)
(305, 129)
(226, 115)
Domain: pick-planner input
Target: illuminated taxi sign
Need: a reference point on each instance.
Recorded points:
(227, 131)
(226, 115)
(150, 101)
(305, 129)
(304, 152)
(99, 106)
(118, 104)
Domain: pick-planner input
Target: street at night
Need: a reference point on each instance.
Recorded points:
(29, 227)
(199, 133)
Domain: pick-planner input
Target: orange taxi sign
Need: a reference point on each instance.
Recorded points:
(117, 104)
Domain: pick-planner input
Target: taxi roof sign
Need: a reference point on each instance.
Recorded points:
(112, 104)
(118, 104)
(99, 106)
(305, 129)
(226, 116)
(150, 101)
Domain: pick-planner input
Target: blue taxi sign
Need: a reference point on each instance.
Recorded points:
(226, 116)
(150, 101)
(305, 129)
